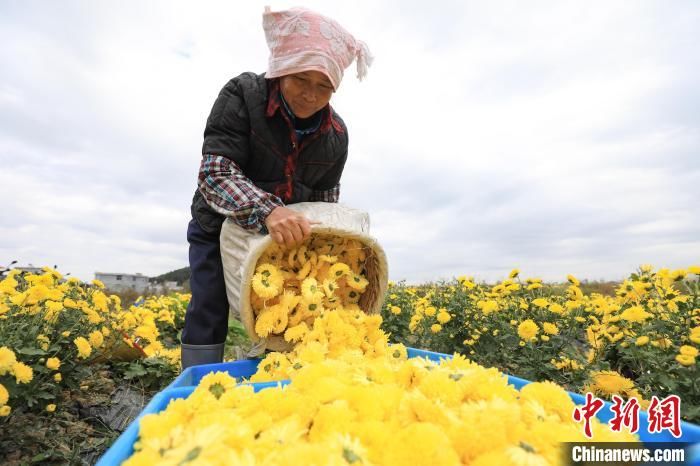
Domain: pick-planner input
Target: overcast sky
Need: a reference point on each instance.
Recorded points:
(556, 137)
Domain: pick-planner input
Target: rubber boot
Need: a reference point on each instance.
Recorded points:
(194, 355)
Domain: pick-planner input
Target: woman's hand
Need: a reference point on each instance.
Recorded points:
(288, 227)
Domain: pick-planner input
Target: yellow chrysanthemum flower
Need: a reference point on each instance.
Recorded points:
(53, 363)
(216, 384)
(556, 308)
(5, 411)
(328, 258)
(51, 408)
(311, 308)
(281, 316)
(357, 282)
(528, 329)
(57, 377)
(396, 310)
(4, 395)
(296, 333)
(352, 296)
(635, 314)
(610, 383)
(36, 294)
(688, 350)
(488, 306)
(7, 360)
(23, 373)
(443, 317)
(398, 351)
(264, 286)
(8, 286)
(694, 336)
(685, 359)
(641, 341)
(329, 287)
(18, 299)
(550, 328)
(678, 275)
(70, 304)
(573, 280)
(96, 339)
(265, 323)
(550, 395)
(289, 300)
(338, 270)
(53, 308)
(435, 328)
(304, 271)
(540, 302)
(310, 290)
(84, 348)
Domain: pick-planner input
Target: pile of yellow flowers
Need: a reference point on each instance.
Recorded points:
(329, 337)
(640, 340)
(290, 288)
(354, 398)
(52, 329)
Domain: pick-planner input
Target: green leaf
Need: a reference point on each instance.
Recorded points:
(668, 383)
(135, 370)
(41, 457)
(31, 351)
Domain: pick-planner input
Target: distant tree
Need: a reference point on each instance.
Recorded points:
(181, 276)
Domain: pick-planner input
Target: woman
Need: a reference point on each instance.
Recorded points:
(271, 139)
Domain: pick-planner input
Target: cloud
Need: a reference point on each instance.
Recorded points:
(558, 138)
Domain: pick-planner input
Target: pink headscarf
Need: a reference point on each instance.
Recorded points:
(301, 40)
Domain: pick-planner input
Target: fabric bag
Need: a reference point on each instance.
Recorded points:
(241, 249)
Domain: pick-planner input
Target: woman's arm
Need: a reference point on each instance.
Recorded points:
(229, 192)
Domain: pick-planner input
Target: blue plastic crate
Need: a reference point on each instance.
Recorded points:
(185, 384)
(191, 376)
(123, 447)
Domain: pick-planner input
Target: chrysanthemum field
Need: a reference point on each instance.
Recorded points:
(65, 346)
(643, 341)
(354, 395)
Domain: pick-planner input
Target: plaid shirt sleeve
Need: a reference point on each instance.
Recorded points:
(327, 195)
(229, 192)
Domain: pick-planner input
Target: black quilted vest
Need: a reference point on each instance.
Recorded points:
(265, 146)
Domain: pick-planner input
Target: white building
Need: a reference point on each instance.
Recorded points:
(30, 269)
(123, 281)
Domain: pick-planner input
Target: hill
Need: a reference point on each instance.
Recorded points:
(181, 276)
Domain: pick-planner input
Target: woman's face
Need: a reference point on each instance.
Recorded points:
(307, 92)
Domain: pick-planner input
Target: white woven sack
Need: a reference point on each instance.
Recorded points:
(241, 248)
